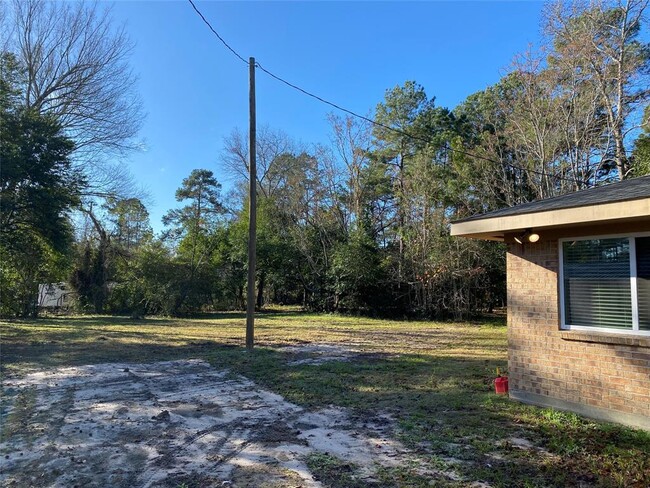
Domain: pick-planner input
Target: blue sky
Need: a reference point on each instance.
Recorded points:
(195, 91)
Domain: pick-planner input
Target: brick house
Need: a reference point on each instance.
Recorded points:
(578, 270)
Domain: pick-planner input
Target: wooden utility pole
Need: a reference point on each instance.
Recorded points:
(252, 207)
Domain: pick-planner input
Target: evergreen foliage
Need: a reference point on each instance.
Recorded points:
(38, 189)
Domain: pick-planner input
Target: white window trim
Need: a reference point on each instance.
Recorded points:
(633, 286)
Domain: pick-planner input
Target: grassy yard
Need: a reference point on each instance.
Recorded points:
(434, 378)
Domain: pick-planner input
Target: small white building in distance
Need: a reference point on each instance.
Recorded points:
(55, 295)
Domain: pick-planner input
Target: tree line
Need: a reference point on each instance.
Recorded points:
(359, 225)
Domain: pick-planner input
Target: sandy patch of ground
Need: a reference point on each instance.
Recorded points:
(319, 353)
(171, 424)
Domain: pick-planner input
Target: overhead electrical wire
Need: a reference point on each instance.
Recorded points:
(223, 41)
(367, 119)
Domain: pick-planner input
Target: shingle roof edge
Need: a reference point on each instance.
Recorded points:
(640, 187)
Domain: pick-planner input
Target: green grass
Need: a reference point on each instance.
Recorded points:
(334, 472)
(434, 378)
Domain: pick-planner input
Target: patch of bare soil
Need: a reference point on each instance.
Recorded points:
(171, 424)
(318, 353)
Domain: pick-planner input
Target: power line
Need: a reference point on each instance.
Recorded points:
(216, 33)
(402, 132)
(369, 120)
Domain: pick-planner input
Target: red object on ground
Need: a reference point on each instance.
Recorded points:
(501, 385)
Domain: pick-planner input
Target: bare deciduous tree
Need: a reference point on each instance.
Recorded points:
(533, 123)
(272, 168)
(581, 123)
(600, 37)
(351, 141)
(76, 63)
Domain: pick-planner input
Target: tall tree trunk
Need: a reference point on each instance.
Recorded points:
(100, 267)
(260, 290)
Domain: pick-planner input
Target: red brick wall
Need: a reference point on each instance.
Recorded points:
(603, 371)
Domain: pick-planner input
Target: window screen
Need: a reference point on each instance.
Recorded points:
(597, 290)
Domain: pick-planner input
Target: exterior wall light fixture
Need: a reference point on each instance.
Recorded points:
(527, 236)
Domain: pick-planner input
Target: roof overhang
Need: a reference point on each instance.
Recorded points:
(496, 228)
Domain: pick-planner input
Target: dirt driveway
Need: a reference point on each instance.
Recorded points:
(174, 424)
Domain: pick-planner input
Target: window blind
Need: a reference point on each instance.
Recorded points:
(597, 289)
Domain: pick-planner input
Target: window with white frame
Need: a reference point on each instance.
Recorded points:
(605, 283)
